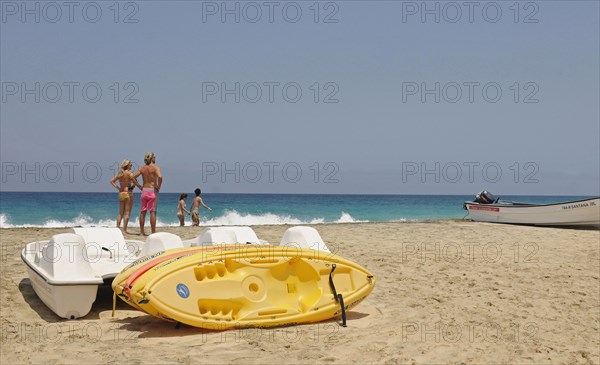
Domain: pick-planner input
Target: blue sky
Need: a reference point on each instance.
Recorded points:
(377, 59)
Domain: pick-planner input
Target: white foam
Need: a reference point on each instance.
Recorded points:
(347, 218)
(234, 218)
(229, 218)
(135, 222)
(81, 220)
(4, 221)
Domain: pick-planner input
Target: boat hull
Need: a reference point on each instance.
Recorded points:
(67, 301)
(574, 213)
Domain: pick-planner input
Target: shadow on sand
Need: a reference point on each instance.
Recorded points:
(152, 327)
(149, 326)
(103, 303)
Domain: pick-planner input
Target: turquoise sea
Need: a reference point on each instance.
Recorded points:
(38, 209)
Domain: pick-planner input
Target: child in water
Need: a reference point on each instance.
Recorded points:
(182, 208)
(196, 203)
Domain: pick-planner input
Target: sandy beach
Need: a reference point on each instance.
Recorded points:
(447, 292)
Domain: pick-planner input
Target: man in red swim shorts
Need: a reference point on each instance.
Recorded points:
(152, 179)
(148, 200)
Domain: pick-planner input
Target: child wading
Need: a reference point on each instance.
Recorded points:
(196, 203)
(181, 208)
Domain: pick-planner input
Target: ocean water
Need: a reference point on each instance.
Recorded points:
(38, 209)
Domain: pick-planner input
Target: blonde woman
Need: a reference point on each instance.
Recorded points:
(125, 188)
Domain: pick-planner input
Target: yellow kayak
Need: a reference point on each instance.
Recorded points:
(238, 286)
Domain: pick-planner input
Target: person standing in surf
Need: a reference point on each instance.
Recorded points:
(125, 188)
(152, 181)
(182, 208)
(196, 203)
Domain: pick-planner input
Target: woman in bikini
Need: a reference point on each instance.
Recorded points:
(132, 184)
(182, 208)
(125, 195)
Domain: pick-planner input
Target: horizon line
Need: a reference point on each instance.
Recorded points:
(249, 193)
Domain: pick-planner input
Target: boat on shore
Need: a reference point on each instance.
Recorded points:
(488, 208)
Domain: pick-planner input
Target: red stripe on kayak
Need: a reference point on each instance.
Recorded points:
(152, 263)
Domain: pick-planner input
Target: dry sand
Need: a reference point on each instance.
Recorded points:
(447, 292)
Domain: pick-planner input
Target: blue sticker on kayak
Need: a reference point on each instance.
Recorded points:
(183, 291)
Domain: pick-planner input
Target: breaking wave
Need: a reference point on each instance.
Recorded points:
(234, 218)
(228, 218)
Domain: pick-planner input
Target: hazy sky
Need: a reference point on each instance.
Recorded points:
(332, 97)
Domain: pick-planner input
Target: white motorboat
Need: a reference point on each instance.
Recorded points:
(66, 271)
(487, 208)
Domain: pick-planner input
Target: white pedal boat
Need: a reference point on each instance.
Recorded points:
(66, 270)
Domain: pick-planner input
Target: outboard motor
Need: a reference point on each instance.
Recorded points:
(485, 197)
